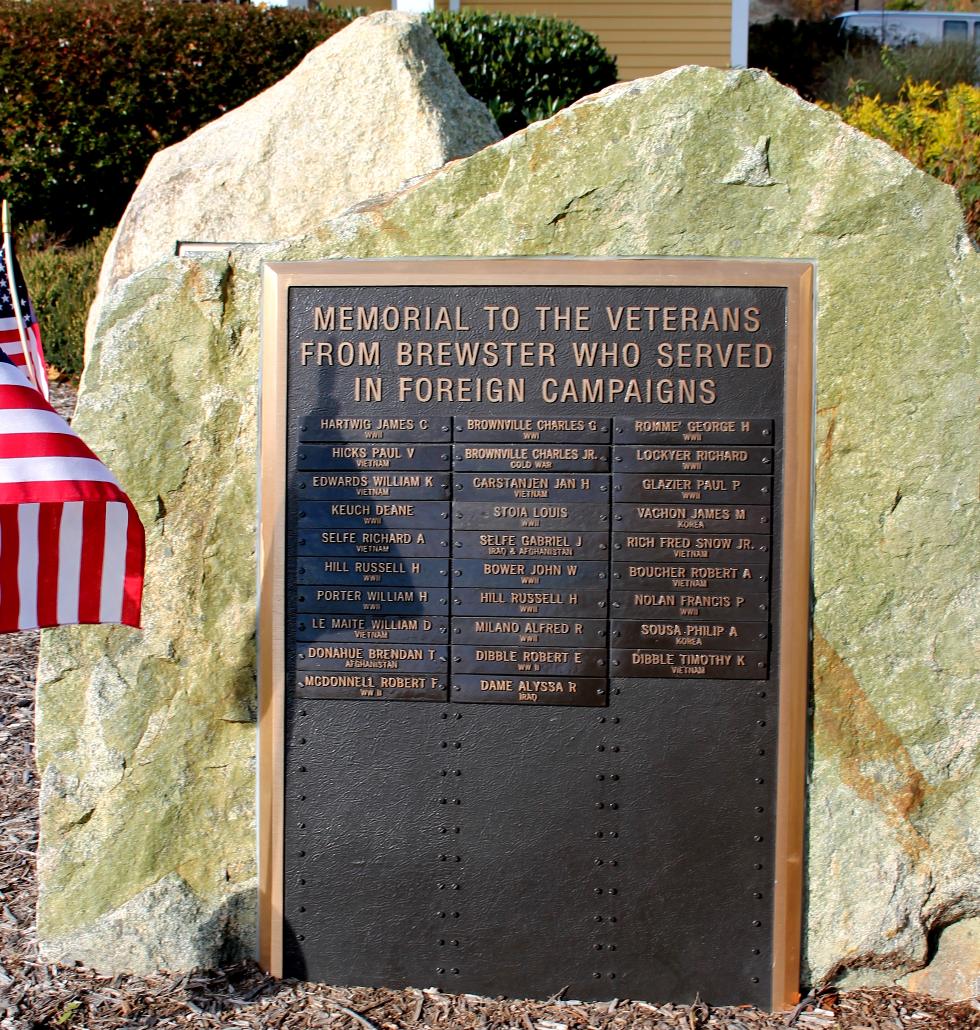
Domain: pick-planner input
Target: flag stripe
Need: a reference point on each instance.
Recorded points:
(59, 490)
(70, 562)
(49, 538)
(9, 562)
(51, 470)
(43, 445)
(113, 564)
(16, 392)
(34, 422)
(93, 551)
(135, 562)
(27, 528)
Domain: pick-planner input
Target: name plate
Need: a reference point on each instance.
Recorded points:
(358, 456)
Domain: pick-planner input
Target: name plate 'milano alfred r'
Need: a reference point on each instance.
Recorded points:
(564, 504)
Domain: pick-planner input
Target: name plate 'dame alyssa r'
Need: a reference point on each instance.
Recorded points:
(565, 504)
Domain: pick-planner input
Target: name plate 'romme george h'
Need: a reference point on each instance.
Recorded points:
(565, 503)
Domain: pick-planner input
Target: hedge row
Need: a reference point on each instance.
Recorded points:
(62, 284)
(91, 89)
(522, 68)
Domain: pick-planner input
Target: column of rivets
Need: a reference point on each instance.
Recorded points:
(449, 858)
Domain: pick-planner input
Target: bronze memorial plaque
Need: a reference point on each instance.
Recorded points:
(566, 503)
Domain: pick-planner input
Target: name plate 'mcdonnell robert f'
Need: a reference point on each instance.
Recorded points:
(564, 503)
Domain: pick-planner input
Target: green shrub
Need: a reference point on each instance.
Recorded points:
(90, 89)
(62, 283)
(796, 52)
(884, 71)
(523, 68)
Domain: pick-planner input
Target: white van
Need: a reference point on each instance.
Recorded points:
(898, 28)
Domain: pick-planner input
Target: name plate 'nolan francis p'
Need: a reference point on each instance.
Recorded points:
(564, 506)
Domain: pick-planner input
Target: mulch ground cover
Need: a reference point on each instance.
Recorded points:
(36, 994)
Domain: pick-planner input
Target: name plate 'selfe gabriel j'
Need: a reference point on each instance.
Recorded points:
(565, 504)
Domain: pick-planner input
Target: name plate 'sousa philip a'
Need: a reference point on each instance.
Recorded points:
(565, 503)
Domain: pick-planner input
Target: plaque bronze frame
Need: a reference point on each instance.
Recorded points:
(798, 279)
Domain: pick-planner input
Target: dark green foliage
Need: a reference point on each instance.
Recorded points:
(522, 68)
(795, 53)
(62, 282)
(90, 89)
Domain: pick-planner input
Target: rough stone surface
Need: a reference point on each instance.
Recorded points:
(693, 162)
(954, 972)
(341, 127)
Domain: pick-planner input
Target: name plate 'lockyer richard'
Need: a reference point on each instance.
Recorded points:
(565, 504)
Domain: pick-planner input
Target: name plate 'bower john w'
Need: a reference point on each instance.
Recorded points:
(565, 505)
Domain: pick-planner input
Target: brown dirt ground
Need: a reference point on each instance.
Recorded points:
(36, 994)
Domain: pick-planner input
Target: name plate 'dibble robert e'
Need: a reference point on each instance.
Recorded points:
(534, 559)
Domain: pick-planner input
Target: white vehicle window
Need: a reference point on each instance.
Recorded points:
(955, 30)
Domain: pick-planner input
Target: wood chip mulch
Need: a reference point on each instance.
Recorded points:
(36, 994)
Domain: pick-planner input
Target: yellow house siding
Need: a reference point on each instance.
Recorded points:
(645, 36)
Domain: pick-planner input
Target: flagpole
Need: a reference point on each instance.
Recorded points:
(8, 258)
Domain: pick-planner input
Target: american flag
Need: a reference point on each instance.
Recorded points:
(10, 340)
(71, 544)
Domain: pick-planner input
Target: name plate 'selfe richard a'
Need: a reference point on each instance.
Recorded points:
(565, 503)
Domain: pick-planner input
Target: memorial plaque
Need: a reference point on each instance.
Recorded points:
(564, 502)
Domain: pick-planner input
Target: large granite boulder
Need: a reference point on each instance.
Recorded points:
(374, 105)
(145, 740)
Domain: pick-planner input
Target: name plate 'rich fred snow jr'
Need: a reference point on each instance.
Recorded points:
(565, 504)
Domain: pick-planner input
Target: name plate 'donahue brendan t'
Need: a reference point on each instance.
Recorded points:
(564, 503)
